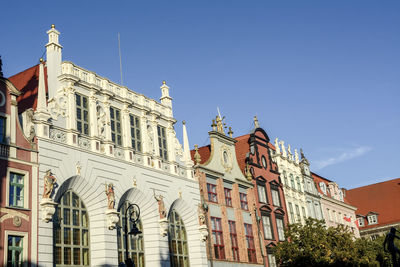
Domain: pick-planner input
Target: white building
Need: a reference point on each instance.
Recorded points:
(292, 179)
(92, 132)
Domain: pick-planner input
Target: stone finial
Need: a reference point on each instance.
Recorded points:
(213, 125)
(164, 82)
(197, 157)
(53, 26)
(256, 123)
(230, 132)
(296, 156)
(249, 176)
(277, 148)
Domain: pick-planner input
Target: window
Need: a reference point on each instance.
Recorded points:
(16, 190)
(292, 181)
(266, 219)
(291, 213)
(281, 233)
(262, 194)
(372, 219)
(135, 133)
(285, 178)
(322, 185)
(15, 251)
(303, 210)
(71, 232)
(228, 196)
(162, 142)
(298, 218)
(251, 249)
(329, 214)
(212, 192)
(217, 238)
(243, 201)
(177, 239)
(264, 162)
(271, 260)
(82, 114)
(275, 196)
(234, 242)
(115, 118)
(2, 129)
(360, 221)
(135, 243)
(298, 183)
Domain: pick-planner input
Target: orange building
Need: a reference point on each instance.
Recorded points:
(228, 202)
(378, 207)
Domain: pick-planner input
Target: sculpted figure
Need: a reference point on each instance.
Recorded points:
(49, 181)
(110, 196)
(202, 214)
(161, 206)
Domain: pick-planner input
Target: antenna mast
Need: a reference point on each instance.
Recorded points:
(120, 61)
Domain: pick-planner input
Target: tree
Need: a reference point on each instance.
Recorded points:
(314, 244)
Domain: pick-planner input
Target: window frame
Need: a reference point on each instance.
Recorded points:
(228, 196)
(25, 244)
(218, 232)
(136, 138)
(275, 189)
(292, 183)
(212, 196)
(281, 231)
(291, 212)
(26, 190)
(298, 184)
(361, 221)
(251, 248)
(244, 204)
(82, 118)
(180, 225)
(264, 193)
(271, 230)
(372, 219)
(162, 142)
(234, 241)
(115, 134)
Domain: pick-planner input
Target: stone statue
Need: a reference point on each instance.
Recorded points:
(161, 206)
(49, 181)
(202, 214)
(220, 124)
(101, 121)
(150, 136)
(389, 243)
(197, 157)
(256, 123)
(249, 176)
(110, 196)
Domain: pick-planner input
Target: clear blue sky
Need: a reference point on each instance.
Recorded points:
(322, 75)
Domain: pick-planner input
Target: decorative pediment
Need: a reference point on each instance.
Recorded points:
(279, 211)
(274, 183)
(265, 208)
(261, 179)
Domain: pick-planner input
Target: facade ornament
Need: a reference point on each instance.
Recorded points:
(256, 124)
(230, 132)
(178, 146)
(278, 150)
(213, 125)
(112, 215)
(57, 106)
(220, 124)
(296, 156)
(283, 149)
(303, 158)
(163, 221)
(197, 157)
(202, 221)
(101, 121)
(289, 151)
(249, 176)
(78, 167)
(150, 142)
(134, 182)
(48, 206)
(180, 192)
(17, 221)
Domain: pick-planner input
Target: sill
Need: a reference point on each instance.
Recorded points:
(17, 208)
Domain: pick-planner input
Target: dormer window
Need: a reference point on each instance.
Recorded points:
(372, 219)
(361, 221)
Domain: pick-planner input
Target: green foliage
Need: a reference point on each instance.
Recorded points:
(313, 244)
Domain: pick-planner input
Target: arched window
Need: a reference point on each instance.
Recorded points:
(177, 238)
(71, 232)
(135, 243)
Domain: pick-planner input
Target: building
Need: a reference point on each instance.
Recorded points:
(228, 201)
(254, 153)
(101, 148)
(293, 182)
(313, 197)
(378, 207)
(335, 207)
(18, 182)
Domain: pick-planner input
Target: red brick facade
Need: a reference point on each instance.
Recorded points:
(18, 173)
(255, 150)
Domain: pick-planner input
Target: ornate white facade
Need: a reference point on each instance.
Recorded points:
(93, 132)
(293, 181)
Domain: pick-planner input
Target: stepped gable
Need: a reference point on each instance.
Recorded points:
(382, 198)
(27, 82)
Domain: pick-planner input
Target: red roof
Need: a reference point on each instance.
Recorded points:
(27, 83)
(242, 148)
(382, 198)
(318, 179)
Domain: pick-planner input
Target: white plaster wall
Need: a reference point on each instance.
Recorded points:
(90, 186)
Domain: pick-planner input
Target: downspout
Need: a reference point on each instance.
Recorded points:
(258, 219)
